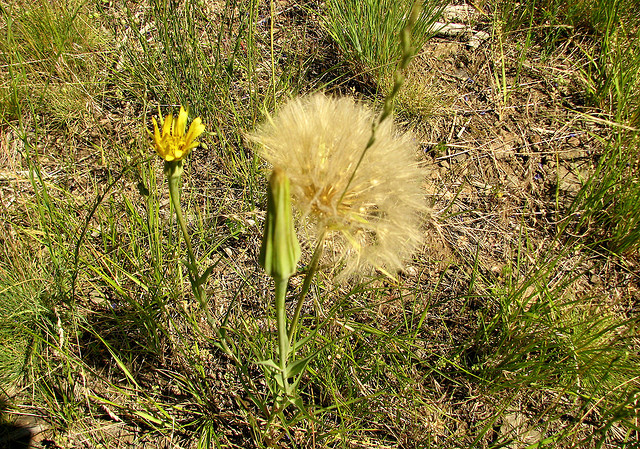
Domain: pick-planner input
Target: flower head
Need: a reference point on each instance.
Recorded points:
(172, 144)
(371, 220)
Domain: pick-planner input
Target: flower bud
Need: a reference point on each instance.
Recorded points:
(280, 250)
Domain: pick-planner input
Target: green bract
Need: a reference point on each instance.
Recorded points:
(280, 249)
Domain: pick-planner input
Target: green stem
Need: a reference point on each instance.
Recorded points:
(173, 171)
(281, 317)
(174, 194)
(313, 267)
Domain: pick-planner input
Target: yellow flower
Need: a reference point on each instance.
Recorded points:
(173, 144)
(317, 141)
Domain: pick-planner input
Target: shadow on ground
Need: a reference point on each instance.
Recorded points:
(12, 436)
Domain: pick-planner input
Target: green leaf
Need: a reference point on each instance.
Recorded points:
(295, 368)
(270, 364)
(302, 342)
(205, 275)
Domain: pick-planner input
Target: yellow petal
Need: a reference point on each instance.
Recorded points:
(192, 145)
(160, 116)
(156, 131)
(159, 149)
(195, 130)
(167, 125)
(181, 123)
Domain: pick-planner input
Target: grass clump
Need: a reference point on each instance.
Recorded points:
(367, 33)
(606, 34)
(608, 197)
(606, 207)
(549, 338)
(24, 313)
(54, 53)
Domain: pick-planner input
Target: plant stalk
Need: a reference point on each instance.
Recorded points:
(173, 177)
(281, 317)
(174, 194)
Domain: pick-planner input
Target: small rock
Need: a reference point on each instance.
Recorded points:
(514, 425)
(568, 154)
(410, 271)
(448, 29)
(97, 297)
(477, 39)
(459, 13)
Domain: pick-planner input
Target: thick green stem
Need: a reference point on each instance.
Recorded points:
(174, 193)
(281, 317)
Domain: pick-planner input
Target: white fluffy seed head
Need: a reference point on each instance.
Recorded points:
(317, 141)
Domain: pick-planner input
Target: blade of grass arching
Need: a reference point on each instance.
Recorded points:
(366, 32)
(111, 271)
(47, 216)
(83, 230)
(146, 417)
(490, 424)
(21, 307)
(571, 352)
(396, 339)
(526, 46)
(208, 436)
(608, 198)
(138, 230)
(503, 75)
(153, 223)
(271, 42)
(14, 60)
(519, 289)
(443, 215)
(140, 296)
(260, 348)
(474, 274)
(148, 231)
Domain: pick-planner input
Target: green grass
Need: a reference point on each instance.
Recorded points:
(367, 34)
(53, 54)
(605, 207)
(99, 327)
(546, 339)
(24, 309)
